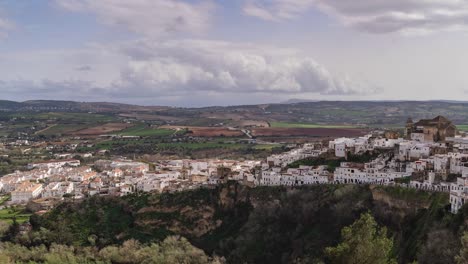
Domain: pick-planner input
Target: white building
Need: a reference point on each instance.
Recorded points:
(369, 173)
(458, 194)
(58, 189)
(55, 164)
(25, 192)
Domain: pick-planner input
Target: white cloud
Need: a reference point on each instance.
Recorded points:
(373, 16)
(147, 70)
(276, 9)
(5, 25)
(147, 17)
(194, 66)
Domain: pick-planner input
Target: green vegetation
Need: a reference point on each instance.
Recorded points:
(4, 198)
(362, 242)
(331, 164)
(171, 250)
(186, 148)
(14, 213)
(285, 225)
(144, 130)
(305, 125)
(404, 180)
(462, 256)
(462, 127)
(66, 116)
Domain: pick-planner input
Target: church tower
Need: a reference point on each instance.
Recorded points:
(409, 128)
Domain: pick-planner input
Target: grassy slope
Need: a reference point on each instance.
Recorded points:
(145, 131)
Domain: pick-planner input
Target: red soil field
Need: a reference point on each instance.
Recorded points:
(103, 129)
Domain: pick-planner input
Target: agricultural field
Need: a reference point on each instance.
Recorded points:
(62, 129)
(66, 117)
(462, 127)
(144, 130)
(17, 213)
(309, 132)
(209, 131)
(305, 125)
(103, 129)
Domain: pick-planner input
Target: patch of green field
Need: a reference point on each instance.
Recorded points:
(8, 214)
(3, 199)
(200, 145)
(462, 127)
(145, 131)
(266, 146)
(305, 125)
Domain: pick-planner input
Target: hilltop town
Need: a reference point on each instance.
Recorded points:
(430, 155)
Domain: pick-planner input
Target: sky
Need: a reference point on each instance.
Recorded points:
(229, 52)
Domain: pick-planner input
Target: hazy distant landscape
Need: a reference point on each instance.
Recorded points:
(320, 114)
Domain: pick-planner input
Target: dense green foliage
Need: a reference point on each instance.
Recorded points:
(332, 164)
(171, 250)
(363, 242)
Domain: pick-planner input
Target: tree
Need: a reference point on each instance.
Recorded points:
(440, 247)
(363, 242)
(462, 257)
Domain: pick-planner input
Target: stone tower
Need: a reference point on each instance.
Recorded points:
(409, 128)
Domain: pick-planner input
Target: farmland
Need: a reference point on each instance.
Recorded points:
(103, 129)
(305, 125)
(14, 213)
(143, 130)
(310, 132)
(209, 131)
(62, 129)
(66, 117)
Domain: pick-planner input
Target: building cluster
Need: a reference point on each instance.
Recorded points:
(430, 156)
(284, 159)
(58, 179)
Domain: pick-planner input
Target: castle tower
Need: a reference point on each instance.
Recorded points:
(409, 128)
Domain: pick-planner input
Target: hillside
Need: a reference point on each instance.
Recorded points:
(260, 225)
(303, 114)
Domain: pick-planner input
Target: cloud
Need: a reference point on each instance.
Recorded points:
(373, 16)
(149, 70)
(5, 25)
(147, 17)
(83, 68)
(276, 9)
(186, 66)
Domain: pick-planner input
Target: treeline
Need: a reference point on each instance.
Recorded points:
(332, 162)
(172, 250)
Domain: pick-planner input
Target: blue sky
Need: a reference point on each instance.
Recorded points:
(206, 52)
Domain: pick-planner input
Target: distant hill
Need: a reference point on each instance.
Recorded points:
(361, 113)
(53, 105)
